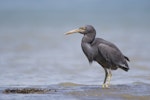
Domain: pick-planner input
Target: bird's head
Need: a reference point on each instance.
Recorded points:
(83, 30)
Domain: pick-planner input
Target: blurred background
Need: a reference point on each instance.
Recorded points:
(35, 51)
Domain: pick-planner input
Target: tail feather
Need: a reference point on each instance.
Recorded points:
(124, 65)
(124, 68)
(126, 58)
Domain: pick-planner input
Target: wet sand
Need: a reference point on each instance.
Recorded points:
(71, 91)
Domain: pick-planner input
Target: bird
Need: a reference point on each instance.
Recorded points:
(105, 53)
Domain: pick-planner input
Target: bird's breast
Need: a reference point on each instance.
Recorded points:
(89, 51)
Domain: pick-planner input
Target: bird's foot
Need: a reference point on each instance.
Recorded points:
(105, 86)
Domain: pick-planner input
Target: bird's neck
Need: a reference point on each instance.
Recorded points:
(88, 38)
(86, 45)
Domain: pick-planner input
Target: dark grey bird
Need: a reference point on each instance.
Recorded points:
(103, 52)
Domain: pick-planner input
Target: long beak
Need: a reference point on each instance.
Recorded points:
(74, 31)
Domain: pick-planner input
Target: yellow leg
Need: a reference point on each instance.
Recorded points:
(107, 80)
(109, 77)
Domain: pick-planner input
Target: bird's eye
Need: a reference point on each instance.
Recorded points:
(83, 28)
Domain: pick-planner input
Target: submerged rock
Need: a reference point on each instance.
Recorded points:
(28, 91)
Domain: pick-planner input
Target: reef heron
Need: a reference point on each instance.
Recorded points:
(103, 52)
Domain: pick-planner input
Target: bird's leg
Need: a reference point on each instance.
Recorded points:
(109, 76)
(105, 80)
(106, 75)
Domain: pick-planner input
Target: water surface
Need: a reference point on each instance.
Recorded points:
(35, 51)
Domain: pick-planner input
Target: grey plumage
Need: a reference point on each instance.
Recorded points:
(101, 51)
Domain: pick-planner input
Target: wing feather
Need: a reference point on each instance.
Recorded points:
(113, 55)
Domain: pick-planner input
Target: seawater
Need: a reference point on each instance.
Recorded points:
(35, 51)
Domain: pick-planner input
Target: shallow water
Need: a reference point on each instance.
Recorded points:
(72, 91)
(35, 51)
